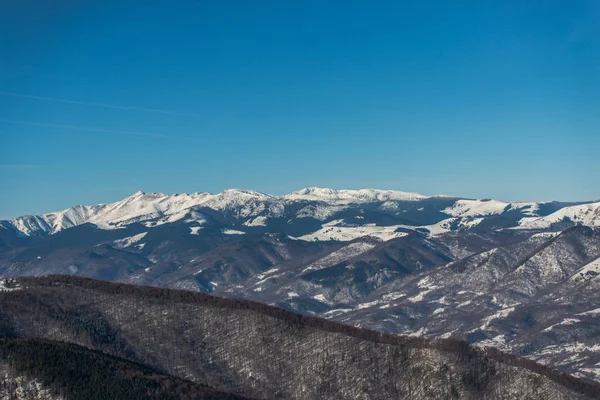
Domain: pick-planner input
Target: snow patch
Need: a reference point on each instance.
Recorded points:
(320, 211)
(5, 287)
(128, 241)
(266, 273)
(567, 321)
(321, 298)
(393, 296)
(419, 297)
(195, 230)
(352, 196)
(476, 208)
(584, 214)
(345, 253)
(505, 312)
(497, 341)
(337, 230)
(336, 312)
(258, 221)
(421, 332)
(369, 304)
(591, 312)
(233, 232)
(588, 271)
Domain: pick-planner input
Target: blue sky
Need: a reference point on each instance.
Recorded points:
(99, 99)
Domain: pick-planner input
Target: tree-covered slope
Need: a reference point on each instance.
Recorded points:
(260, 351)
(34, 369)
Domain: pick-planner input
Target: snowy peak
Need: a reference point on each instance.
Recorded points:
(352, 196)
(234, 197)
(142, 206)
(245, 203)
(237, 193)
(583, 214)
(150, 208)
(359, 208)
(486, 207)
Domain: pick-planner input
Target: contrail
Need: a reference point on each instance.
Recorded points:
(83, 128)
(85, 103)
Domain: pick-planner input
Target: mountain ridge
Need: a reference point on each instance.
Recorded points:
(163, 208)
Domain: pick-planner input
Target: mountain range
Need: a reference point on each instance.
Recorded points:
(518, 276)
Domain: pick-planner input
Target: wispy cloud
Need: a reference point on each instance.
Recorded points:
(86, 103)
(88, 129)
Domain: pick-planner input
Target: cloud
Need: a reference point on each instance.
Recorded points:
(87, 129)
(86, 103)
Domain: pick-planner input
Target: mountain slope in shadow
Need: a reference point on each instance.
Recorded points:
(259, 351)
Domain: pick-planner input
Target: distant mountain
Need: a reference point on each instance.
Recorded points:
(584, 214)
(143, 342)
(519, 276)
(252, 209)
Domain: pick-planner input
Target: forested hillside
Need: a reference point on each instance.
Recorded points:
(265, 352)
(33, 369)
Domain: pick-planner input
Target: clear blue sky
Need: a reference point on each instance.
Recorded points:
(472, 98)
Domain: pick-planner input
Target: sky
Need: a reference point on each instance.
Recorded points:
(481, 99)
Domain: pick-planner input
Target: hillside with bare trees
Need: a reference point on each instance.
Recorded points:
(260, 351)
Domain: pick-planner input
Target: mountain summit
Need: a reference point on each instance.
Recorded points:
(437, 213)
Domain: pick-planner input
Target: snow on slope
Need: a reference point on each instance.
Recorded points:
(256, 209)
(480, 208)
(53, 222)
(128, 241)
(245, 203)
(588, 271)
(584, 214)
(352, 196)
(233, 232)
(335, 230)
(345, 253)
(258, 221)
(320, 211)
(445, 225)
(154, 209)
(150, 208)
(146, 206)
(4, 288)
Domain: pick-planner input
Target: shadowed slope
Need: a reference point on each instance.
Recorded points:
(266, 352)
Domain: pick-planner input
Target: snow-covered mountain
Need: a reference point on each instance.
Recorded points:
(334, 196)
(142, 207)
(363, 207)
(482, 208)
(584, 214)
(520, 276)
